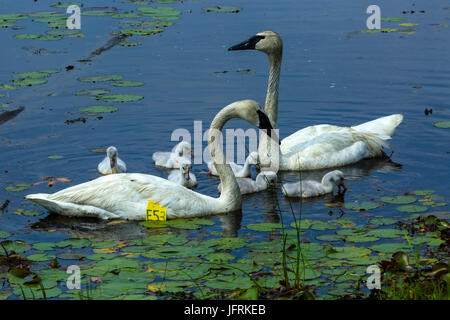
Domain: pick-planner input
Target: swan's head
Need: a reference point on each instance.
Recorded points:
(270, 177)
(183, 149)
(185, 167)
(267, 41)
(112, 154)
(250, 111)
(337, 177)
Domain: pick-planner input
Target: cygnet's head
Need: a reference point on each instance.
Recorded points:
(185, 167)
(269, 177)
(183, 149)
(337, 177)
(112, 154)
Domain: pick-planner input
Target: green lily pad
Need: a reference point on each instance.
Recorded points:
(385, 233)
(220, 257)
(382, 221)
(264, 226)
(12, 16)
(223, 9)
(18, 246)
(60, 4)
(160, 13)
(399, 199)
(93, 110)
(119, 97)
(62, 32)
(29, 213)
(348, 252)
(129, 15)
(412, 208)
(408, 24)
(423, 192)
(44, 246)
(383, 30)
(29, 82)
(40, 257)
(442, 124)
(75, 243)
(361, 238)
(130, 44)
(18, 187)
(101, 256)
(127, 83)
(55, 157)
(37, 293)
(141, 31)
(392, 19)
(389, 247)
(4, 234)
(330, 237)
(92, 92)
(98, 12)
(70, 255)
(33, 74)
(113, 77)
(361, 206)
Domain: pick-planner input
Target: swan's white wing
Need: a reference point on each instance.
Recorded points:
(161, 158)
(104, 166)
(126, 195)
(121, 166)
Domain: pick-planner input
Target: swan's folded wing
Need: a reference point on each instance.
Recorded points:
(127, 195)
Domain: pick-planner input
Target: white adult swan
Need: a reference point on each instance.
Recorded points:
(311, 188)
(319, 146)
(262, 182)
(183, 176)
(172, 159)
(126, 195)
(112, 163)
(239, 171)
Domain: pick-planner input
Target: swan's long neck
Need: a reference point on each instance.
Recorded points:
(230, 196)
(271, 106)
(326, 181)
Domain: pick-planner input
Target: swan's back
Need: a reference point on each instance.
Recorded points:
(384, 126)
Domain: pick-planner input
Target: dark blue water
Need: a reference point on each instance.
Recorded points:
(331, 74)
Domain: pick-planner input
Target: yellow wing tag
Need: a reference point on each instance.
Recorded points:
(155, 212)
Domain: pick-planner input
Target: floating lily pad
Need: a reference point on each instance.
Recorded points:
(70, 255)
(264, 226)
(18, 187)
(98, 12)
(127, 83)
(40, 257)
(36, 292)
(361, 206)
(113, 77)
(60, 4)
(62, 32)
(4, 235)
(423, 192)
(223, 9)
(12, 16)
(29, 82)
(382, 221)
(330, 237)
(44, 246)
(141, 31)
(93, 110)
(385, 233)
(55, 157)
(361, 238)
(119, 97)
(389, 247)
(160, 13)
(412, 208)
(92, 92)
(392, 19)
(75, 243)
(348, 252)
(18, 246)
(384, 30)
(408, 24)
(399, 199)
(33, 74)
(220, 256)
(130, 44)
(442, 124)
(29, 213)
(129, 15)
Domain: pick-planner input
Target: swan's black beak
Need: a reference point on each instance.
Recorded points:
(247, 44)
(264, 123)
